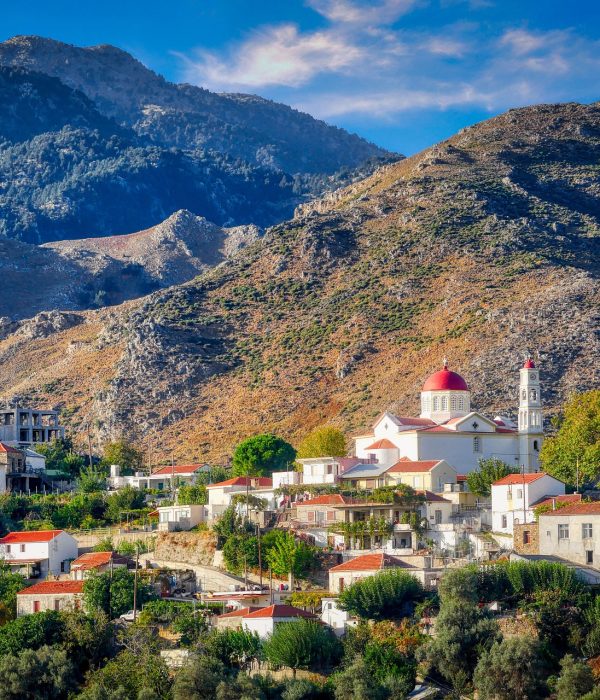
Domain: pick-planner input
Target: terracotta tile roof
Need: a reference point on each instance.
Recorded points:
(242, 612)
(30, 536)
(383, 444)
(279, 611)
(331, 499)
(242, 480)
(406, 465)
(371, 562)
(461, 477)
(548, 500)
(577, 509)
(50, 587)
(178, 469)
(513, 479)
(92, 560)
(7, 448)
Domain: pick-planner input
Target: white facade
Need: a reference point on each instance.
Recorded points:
(173, 518)
(513, 498)
(264, 622)
(282, 479)
(320, 470)
(53, 550)
(220, 495)
(339, 620)
(572, 533)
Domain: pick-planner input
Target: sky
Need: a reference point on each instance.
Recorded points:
(401, 73)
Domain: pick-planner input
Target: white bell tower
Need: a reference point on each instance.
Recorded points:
(531, 429)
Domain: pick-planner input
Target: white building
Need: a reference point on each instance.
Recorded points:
(38, 553)
(339, 620)
(264, 621)
(50, 595)
(326, 470)
(96, 561)
(220, 495)
(448, 428)
(162, 478)
(572, 533)
(177, 518)
(515, 496)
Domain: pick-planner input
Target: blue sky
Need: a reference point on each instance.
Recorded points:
(402, 73)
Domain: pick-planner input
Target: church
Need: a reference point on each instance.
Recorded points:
(449, 429)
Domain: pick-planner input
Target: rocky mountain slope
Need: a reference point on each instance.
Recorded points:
(92, 143)
(93, 272)
(481, 248)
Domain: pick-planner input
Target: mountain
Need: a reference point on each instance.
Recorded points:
(481, 248)
(91, 272)
(92, 143)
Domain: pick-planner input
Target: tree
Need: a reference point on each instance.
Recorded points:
(43, 673)
(463, 632)
(234, 648)
(262, 455)
(287, 556)
(199, 679)
(488, 471)
(123, 501)
(386, 595)
(303, 644)
(525, 681)
(60, 456)
(31, 632)
(231, 523)
(324, 441)
(576, 442)
(91, 480)
(576, 679)
(86, 637)
(10, 585)
(192, 494)
(122, 453)
(240, 552)
(355, 683)
(113, 593)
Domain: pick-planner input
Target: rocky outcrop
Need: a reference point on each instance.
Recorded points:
(193, 548)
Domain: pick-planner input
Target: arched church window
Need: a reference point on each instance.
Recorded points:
(461, 403)
(476, 444)
(436, 403)
(536, 446)
(524, 395)
(533, 395)
(444, 403)
(453, 403)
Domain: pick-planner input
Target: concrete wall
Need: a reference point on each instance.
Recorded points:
(64, 601)
(575, 547)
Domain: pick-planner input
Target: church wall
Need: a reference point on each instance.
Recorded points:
(457, 449)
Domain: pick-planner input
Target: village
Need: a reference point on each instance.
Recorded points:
(415, 497)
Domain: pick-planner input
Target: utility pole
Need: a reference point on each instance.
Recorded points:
(135, 580)
(577, 476)
(259, 553)
(270, 586)
(89, 437)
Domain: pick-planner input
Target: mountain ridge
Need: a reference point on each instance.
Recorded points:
(481, 248)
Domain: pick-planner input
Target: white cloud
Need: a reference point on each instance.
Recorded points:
(374, 14)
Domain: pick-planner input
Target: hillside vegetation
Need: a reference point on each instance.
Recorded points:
(481, 248)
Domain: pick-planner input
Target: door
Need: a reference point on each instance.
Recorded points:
(36, 606)
(341, 585)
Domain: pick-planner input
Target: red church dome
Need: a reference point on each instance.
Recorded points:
(529, 364)
(445, 380)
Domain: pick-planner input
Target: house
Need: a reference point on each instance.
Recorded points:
(515, 496)
(95, 561)
(326, 470)
(264, 620)
(358, 568)
(176, 518)
(449, 428)
(161, 479)
(25, 427)
(572, 533)
(339, 620)
(38, 553)
(430, 475)
(364, 476)
(12, 461)
(233, 619)
(49, 595)
(220, 495)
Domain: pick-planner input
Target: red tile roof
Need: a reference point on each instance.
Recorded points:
(178, 469)
(50, 587)
(8, 448)
(548, 500)
(404, 464)
(93, 560)
(383, 444)
(241, 612)
(242, 481)
(577, 509)
(331, 499)
(370, 562)
(30, 536)
(513, 479)
(279, 611)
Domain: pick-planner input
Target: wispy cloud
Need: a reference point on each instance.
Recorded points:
(366, 60)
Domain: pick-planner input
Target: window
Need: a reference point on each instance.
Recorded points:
(311, 516)
(438, 517)
(341, 585)
(519, 493)
(533, 395)
(330, 515)
(526, 537)
(524, 395)
(589, 556)
(444, 403)
(461, 403)
(453, 403)
(536, 446)
(57, 604)
(436, 403)
(476, 444)
(586, 530)
(8, 549)
(330, 468)
(563, 532)
(504, 521)
(21, 548)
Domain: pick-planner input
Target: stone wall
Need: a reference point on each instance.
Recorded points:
(522, 547)
(186, 547)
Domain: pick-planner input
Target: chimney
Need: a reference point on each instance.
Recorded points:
(554, 504)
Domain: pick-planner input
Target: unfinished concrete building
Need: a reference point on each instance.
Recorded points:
(26, 427)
